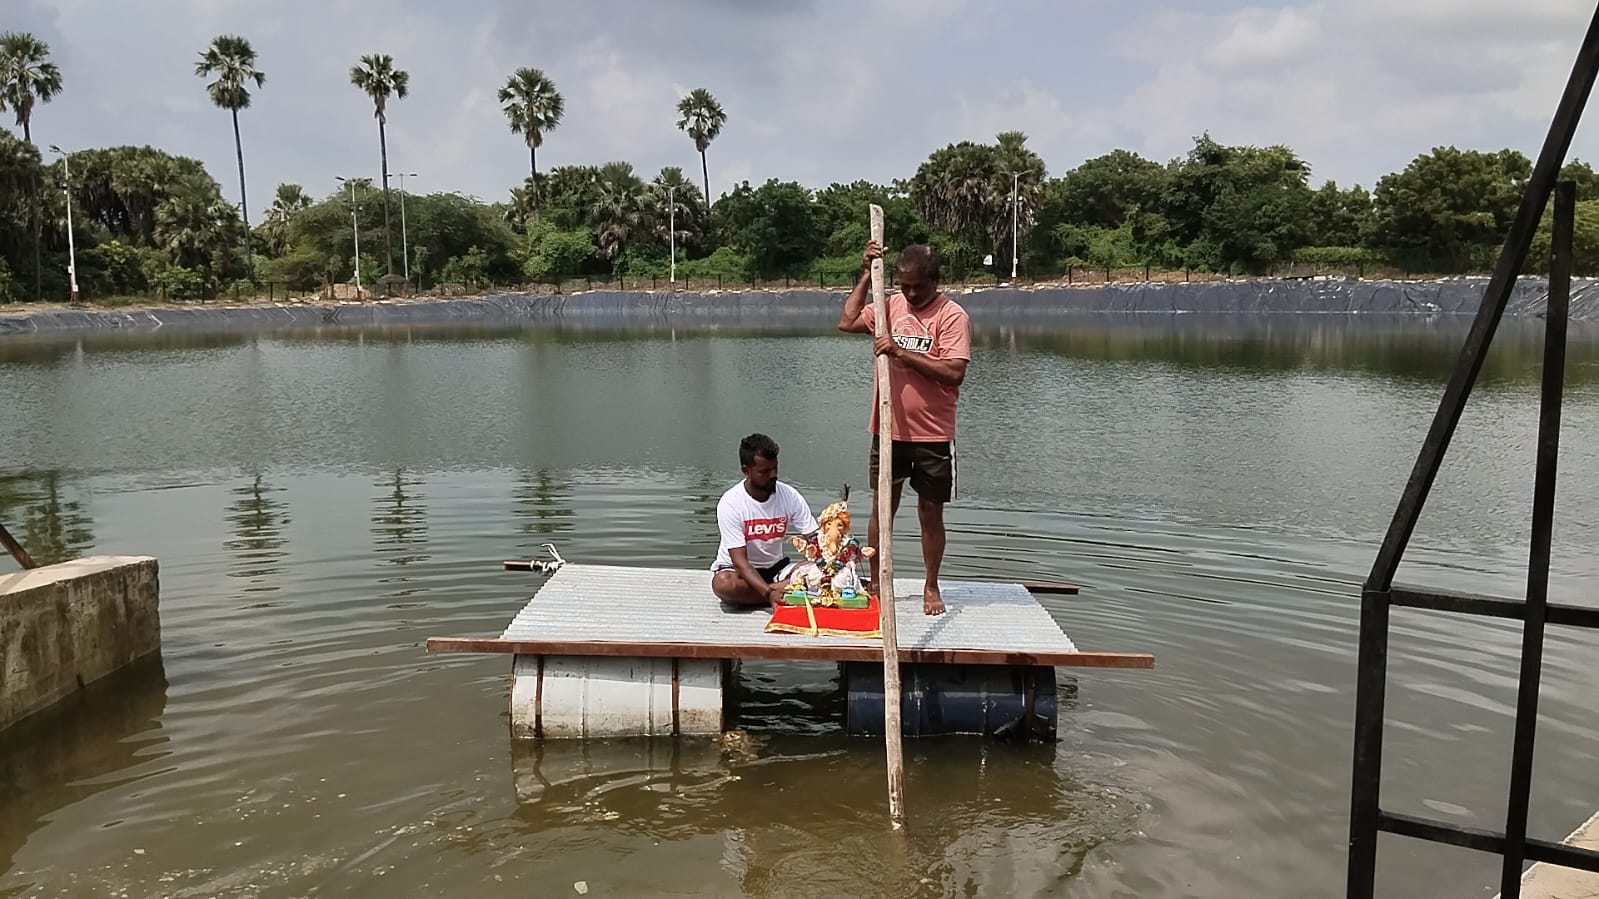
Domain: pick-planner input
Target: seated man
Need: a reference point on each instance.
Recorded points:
(754, 516)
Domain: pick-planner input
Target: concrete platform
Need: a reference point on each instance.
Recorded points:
(1556, 882)
(67, 625)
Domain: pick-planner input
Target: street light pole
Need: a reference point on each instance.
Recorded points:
(405, 251)
(355, 228)
(72, 247)
(1015, 209)
(671, 229)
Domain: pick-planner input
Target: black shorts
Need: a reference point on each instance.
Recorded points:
(768, 574)
(930, 467)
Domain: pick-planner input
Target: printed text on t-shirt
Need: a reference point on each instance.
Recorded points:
(765, 528)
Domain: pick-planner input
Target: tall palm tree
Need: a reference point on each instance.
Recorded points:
(377, 76)
(702, 119)
(534, 108)
(27, 76)
(231, 61)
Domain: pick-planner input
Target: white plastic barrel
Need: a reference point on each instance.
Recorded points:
(595, 697)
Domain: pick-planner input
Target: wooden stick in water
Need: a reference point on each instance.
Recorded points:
(16, 550)
(892, 736)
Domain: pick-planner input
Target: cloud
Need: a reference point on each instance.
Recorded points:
(1359, 88)
(815, 90)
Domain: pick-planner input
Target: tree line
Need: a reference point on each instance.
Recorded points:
(147, 221)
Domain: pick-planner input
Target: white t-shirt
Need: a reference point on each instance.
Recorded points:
(761, 528)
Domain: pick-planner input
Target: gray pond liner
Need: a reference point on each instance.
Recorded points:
(1454, 296)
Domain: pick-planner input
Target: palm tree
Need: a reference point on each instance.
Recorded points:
(27, 76)
(534, 108)
(377, 76)
(702, 119)
(291, 199)
(616, 207)
(671, 196)
(231, 60)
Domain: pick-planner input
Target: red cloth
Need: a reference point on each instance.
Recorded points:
(830, 621)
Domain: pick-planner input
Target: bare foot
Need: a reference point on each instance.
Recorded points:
(932, 601)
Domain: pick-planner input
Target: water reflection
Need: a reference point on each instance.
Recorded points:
(78, 748)
(50, 526)
(1408, 348)
(541, 503)
(257, 521)
(792, 811)
(399, 519)
(46, 349)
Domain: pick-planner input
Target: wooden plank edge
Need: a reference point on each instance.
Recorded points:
(1029, 586)
(866, 652)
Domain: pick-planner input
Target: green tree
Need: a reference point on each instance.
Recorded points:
(1235, 207)
(290, 200)
(550, 254)
(954, 190)
(1450, 209)
(230, 62)
(617, 208)
(377, 77)
(1587, 179)
(773, 225)
(702, 118)
(533, 108)
(1341, 218)
(195, 226)
(843, 218)
(20, 171)
(1104, 191)
(672, 204)
(1584, 240)
(27, 78)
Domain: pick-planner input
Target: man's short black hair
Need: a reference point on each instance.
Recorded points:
(756, 445)
(920, 257)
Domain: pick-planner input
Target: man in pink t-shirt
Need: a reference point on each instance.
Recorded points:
(928, 347)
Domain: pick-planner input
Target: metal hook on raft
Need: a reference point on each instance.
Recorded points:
(543, 567)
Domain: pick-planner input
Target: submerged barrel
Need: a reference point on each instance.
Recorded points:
(1005, 701)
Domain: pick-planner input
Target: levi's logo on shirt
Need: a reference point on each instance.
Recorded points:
(765, 528)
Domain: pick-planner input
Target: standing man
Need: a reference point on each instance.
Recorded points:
(754, 516)
(928, 347)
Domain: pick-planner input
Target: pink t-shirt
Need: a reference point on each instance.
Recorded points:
(924, 409)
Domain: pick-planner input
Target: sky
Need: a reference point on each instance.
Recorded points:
(815, 91)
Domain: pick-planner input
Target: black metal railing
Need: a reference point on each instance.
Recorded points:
(1367, 817)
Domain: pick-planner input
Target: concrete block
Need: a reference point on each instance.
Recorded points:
(67, 625)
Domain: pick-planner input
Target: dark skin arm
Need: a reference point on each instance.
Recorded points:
(741, 564)
(849, 321)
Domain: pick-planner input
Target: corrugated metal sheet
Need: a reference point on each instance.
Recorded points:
(665, 605)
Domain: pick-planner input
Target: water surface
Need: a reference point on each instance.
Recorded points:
(321, 502)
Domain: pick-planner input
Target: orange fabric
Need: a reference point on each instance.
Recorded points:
(829, 621)
(924, 409)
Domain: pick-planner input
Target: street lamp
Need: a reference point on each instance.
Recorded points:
(671, 229)
(72, 248)
(356, 228)
(1014, 214)
(405, 252)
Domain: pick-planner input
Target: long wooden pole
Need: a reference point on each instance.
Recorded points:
(892, 736)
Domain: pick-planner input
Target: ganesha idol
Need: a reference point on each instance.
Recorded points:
(828, 576)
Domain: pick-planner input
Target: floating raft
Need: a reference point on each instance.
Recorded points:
(603, 651)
